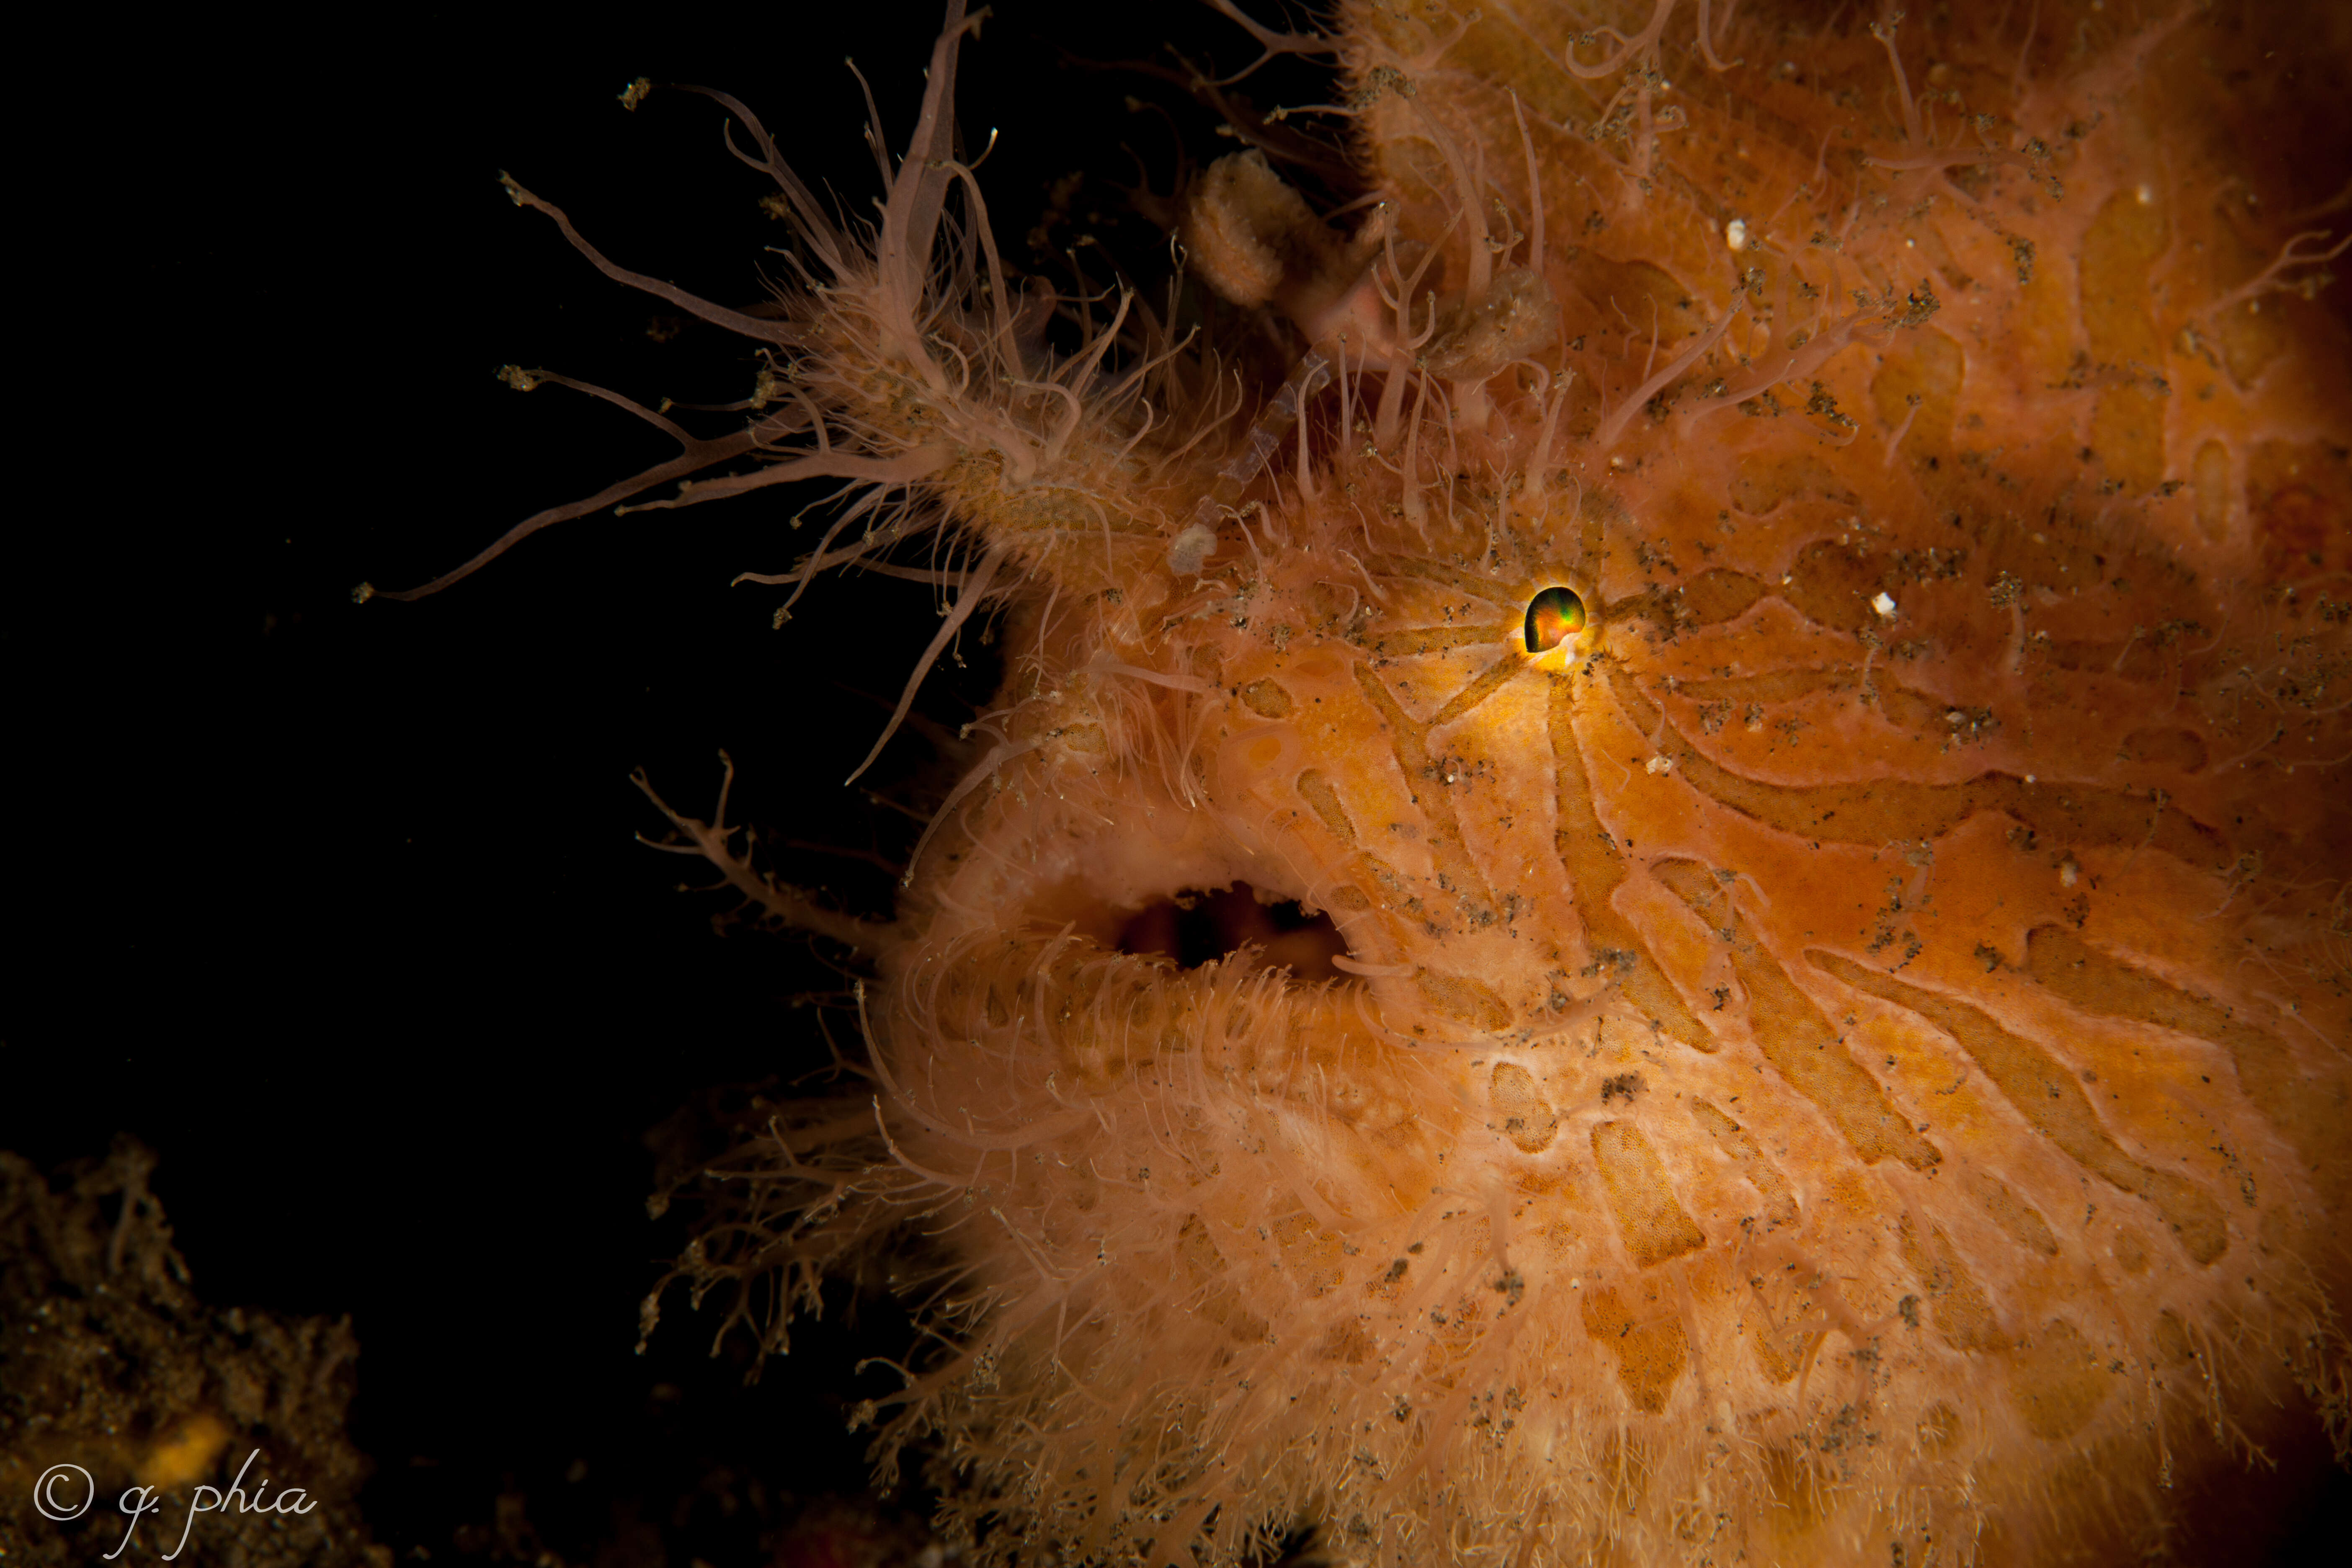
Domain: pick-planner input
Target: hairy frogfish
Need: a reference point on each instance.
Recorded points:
(1662, 873)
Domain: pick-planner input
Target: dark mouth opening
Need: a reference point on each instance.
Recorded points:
(1198, 927)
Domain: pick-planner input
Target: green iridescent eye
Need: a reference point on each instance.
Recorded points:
(1554, 615)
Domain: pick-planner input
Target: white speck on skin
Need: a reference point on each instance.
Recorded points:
(1189, 549)
(1884, 605)
(1735, 234)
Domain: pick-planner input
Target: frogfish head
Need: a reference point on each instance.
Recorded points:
(1674, 888)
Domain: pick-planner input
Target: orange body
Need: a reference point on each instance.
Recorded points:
(1842, 1053)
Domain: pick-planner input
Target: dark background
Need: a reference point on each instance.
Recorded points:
(339, 907)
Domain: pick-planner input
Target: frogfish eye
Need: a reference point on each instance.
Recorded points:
(1553, 617)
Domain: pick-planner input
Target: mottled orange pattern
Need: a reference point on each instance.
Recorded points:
(1840, 1058)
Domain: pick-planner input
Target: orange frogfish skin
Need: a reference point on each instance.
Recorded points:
(1785, 631)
